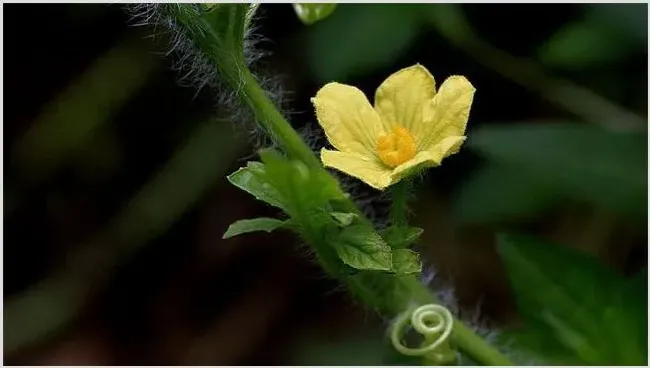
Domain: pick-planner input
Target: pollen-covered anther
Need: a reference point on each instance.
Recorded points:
(396, 147)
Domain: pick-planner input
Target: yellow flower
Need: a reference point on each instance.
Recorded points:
(410, 127)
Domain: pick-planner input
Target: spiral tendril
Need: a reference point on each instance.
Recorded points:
(434, 322)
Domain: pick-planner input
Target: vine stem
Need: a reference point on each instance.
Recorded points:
(399, 195)
(405, 288)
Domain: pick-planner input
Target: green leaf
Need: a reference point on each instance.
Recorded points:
(344, 218)
(311, 13)
(251, 180)
(362, 248)
(603, 36)
(401, 236)
(252, 225)
(576, 310)
(406, 261)
(579, 161)
(359, 39)
(304, 191)
(500, 193)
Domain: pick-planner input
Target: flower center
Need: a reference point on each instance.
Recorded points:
(396, 147)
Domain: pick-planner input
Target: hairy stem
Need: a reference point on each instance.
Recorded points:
(273, 122)
(387, 293)
(400, 193)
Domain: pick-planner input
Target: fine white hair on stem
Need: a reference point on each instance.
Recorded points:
(196, 70)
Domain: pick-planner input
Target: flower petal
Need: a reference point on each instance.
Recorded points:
(448, 113)
(349, 121)
(368, 169)
(400, 99)
(447, 147)
(429, 158)
(422, 160)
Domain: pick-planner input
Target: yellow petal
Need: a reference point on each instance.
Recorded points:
(368, 169)
(446, 147)
(448, 113)
(429, 158)
(422, 160)
(348, 119)
(400, 99)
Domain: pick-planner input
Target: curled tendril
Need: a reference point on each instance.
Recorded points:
(434, 322)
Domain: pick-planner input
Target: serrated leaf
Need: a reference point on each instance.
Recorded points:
(401, 236)
(248, 226)
(311, 13)
(406, 261)
(250, 179)
(579, 161)
(304, 191)
(576, 310)
(344, 218)
(362, 248)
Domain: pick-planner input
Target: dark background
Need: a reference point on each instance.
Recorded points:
(116, 199)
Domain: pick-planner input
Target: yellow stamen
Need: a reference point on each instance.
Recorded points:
(396, 147)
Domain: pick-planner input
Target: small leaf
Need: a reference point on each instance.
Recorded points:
(303, 191)
(249, 179)
(362, 248)
(406, 261)
(311, 13)
(344, 218)
(576, 310)
(401, 236)
(252, 225)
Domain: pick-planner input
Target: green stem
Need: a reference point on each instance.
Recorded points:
(389, 293)
(273, 122)
(400, 194)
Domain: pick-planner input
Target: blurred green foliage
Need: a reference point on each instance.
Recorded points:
(607, 33)
(70, 121)
(576, 310)
(533, 166)
(358, 39)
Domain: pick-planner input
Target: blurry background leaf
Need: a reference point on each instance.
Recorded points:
(607, 33)
(119, 244)
(581, 161)
(576, 310)
(358, 39)
(367, 348)
(499, 192)
(311, 13)
(70, 121)
(193, 169)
